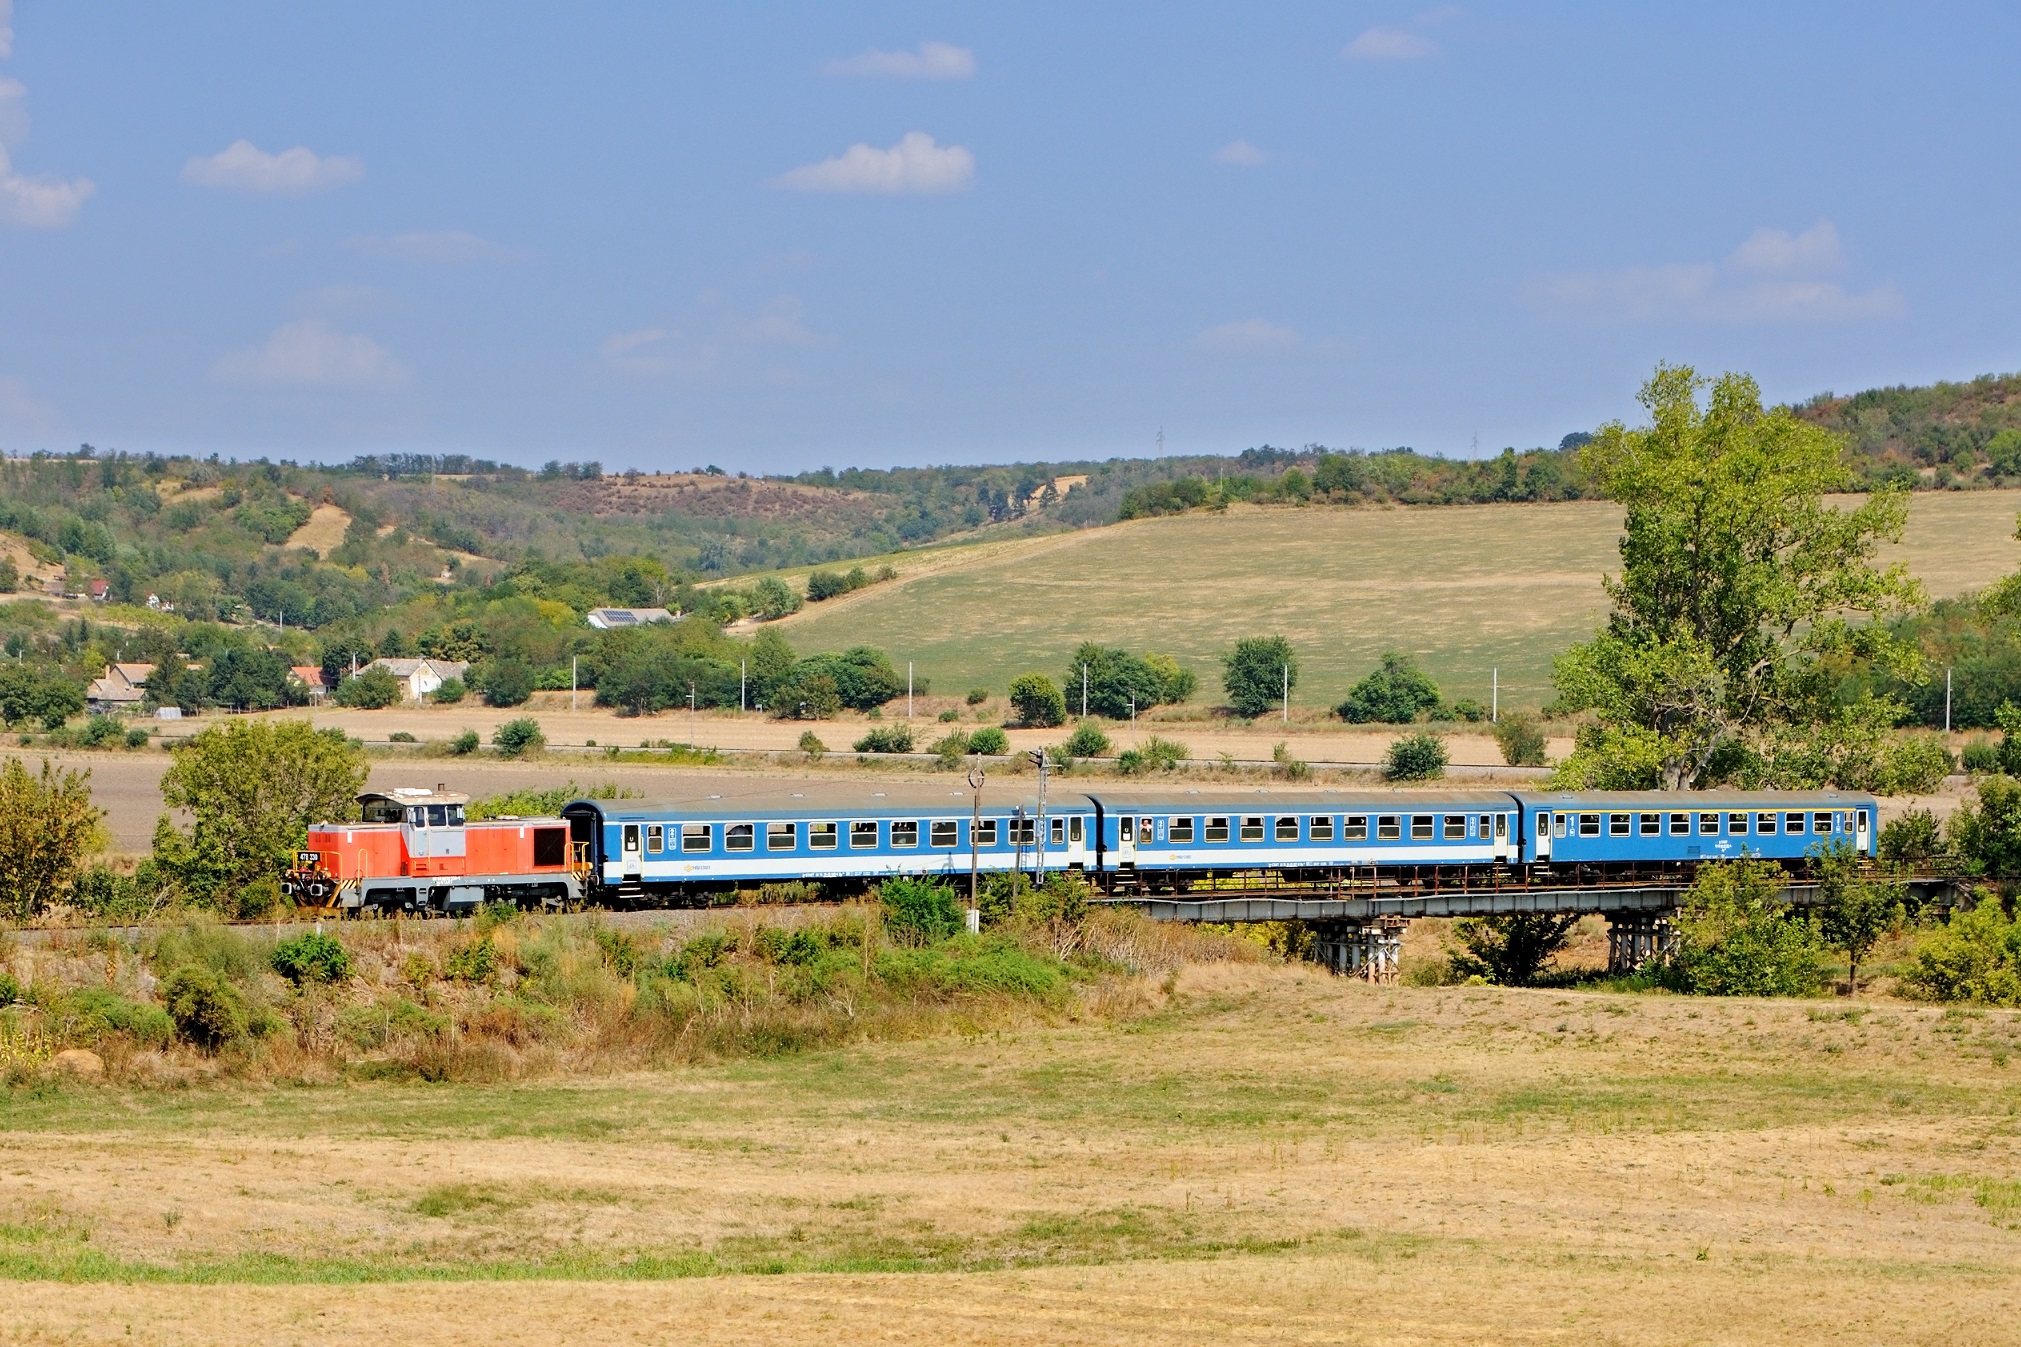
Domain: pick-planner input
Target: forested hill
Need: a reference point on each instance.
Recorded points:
(1945, 435)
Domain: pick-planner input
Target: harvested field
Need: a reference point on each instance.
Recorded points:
(1239, 1153)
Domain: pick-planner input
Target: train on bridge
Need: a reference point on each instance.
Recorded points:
(414, 850)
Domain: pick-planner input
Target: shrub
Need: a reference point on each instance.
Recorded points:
(312, 957)
(886, 739)
(1415, 757)
(1986, 832)
(517, 738)
(1976, 956)
(824, 585)
(96, 1012)
(1155, 754)
(1913, 765)
(48, 825)
(950, 748)
(1981, 756)
(774, 599)
(977, 696)
(452, 691)
(1521, 741)
(1912, 837)
(1396, 693)
(919, 911)
(811, 745)
(207, 1010)
(373, 690)
(1258, 673)
(474, 962)
(807, 695)
(1087, 741)
(988, 741)
(1037, 702)
(401, 737)
(949, 715)
(136, 737)
(1293, 769)
(10, 989)
(505, 682)
(464, 744)
(1469, 710)
(1736, 937)
(1507, 951)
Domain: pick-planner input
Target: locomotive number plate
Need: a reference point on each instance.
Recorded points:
(307, 858)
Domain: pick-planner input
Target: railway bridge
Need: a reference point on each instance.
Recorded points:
(1360, 933)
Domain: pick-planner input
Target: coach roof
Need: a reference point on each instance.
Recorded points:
(815, 798)
(1296, 799)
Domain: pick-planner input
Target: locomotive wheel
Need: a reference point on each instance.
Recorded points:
(318, 890)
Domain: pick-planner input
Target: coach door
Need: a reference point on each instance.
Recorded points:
(1070, 838)
(631, 851)
(1862, 842)
(1501, 837)
(1543, 836)
(1126, 839)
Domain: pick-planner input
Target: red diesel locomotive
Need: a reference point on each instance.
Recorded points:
(413, 851)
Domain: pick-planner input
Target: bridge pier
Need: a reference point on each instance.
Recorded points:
(1637, 939)
(1366, 950)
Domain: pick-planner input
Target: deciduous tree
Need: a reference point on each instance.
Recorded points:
(48, 825)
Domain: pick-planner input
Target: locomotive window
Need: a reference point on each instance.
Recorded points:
(946, 832)
(1389, 827)
(1059, 832)
(1287, 828)
(417, 817)
(1652, 825)
(905, 832)
(985, 832)
(781, 836)
(740, 836)
(1420, 827)
(822, 836)
(1589, 825)
(1354, 828)
(1320, 827)
(1252, 828)
(438, 816)
(1821, 824)
(656, 837)
(862, 834)
(694, 837)
(456, 816)
(1217, 830)
(550, 846)
(1024, 832)
(1792, 823)
(1765, 824)
(1182, 830)
(1456, 826)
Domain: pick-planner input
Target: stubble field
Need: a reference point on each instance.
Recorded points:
(1242, 1153)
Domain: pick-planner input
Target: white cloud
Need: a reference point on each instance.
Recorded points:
(779, 323)
(1390, 44)
(933, 61)
(6, 28)
(915, 166)
(1770, 278)
(40, 203)
(1250, 334)
(309, 353)
(13, 116)
(1240, 153)
(245, 167)
(22, 411)
(445, 247)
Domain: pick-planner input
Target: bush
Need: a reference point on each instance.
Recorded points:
(10, 989)
(919, 911)
(401, 737)
(311, 958)
(1521, 741)
(207, 1010)
(1736, 937)
(948, 716)
(1914, 765)
(464, 744)
(1976, 956)
(824, 585)
(1981, 756)
(886, 739)
(1985, 832)
(1508, 951)
(373, 690)
(1037, 702)
(1293, 769)
(988, 741)
(48, 824)
(977, 696)
(1154, 755)
(136, 737)
(811, 745)
(452, 691)
(774, 599)
(1415, 757)
(97, 1012)
(950, 748)
(505, 682)
(1087, 741)
(1469, 710)
(1396, 693)
(1912, 837)
(807, 695)
(517, 738)
(474, 962)
(1258, 673)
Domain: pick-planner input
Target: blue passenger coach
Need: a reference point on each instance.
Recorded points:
(1681, 828)
(825, 831)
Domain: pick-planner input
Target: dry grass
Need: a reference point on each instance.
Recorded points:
(1467, 588)
(1256, 1154)
(323, 533)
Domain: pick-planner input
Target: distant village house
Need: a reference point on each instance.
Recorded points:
(123, 688)
(422, 676)
(610, 619)
(312, 680)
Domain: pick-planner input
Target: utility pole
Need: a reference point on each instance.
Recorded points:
(908, 689)
(691, 713)
(1495, 696)
(1947, 701)
(1084, 691)
(743, 672)
(571, 681)
(1287, 694)
(976, 777)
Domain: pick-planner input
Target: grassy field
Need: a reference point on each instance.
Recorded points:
(1466, 588)
(1238, 1153)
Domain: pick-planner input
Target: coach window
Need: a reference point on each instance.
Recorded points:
(905, 832)
(863, 835)
(1059, 831)
(1287, 828)
(1182, 830)
(1252, 828)
(1024, 832)
(1792, 823)
(985, 832)
(1560, 824)
(1456, 826)
(1617, 825)
(781, 836)
(1074, 828)
(946, 832)
(695, 837)
(1736, 825)
(1708, 825)
(821, 836)
(656, 837)
(1320, 827)
(1217, 830)
(1652, 825)
(1389, 827)
(1420, 827)
(1764, 824)
(1589, 825)
(1680, 825)
(1354, 828)
(740, 836)
(1544, 825)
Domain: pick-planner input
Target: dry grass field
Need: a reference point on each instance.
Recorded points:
(1238, 1153)
(1467, 588)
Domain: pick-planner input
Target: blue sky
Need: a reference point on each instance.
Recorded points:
(775, 237)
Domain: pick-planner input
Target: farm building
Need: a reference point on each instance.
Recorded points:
(421, 676)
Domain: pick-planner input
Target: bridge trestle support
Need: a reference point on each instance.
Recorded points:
(1370, 951)
(1637, 939)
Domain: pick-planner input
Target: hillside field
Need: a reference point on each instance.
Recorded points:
(1237, 1153)
(1466, 588)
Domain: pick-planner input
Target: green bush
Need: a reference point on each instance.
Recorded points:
(1985, 833)
(1258, 673)
(950, 748)
(517, 738)
(208, 1010)
(91, 1013)
(977, 696)
(464, 744)
(452, 691)
(988, 741)
(919, 911)
(1910, 838)
(1981, 756)
(1508, 951)
(1976, 956)
(1914, 764)
(1037, 702)
(1396, 693)
(824, 585)
(136, 737)
(1292, 769)
(949, 715)
(1155, 754)
(1736, 937)
(476, 961)
(1415, 757)
(1468, 710)
(372, 690)
(504, 682)
(1521, 741)
(886, 739)
(10, 989)
(311, 957)
(811, 745)
(1087, 741)
(402, 737)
